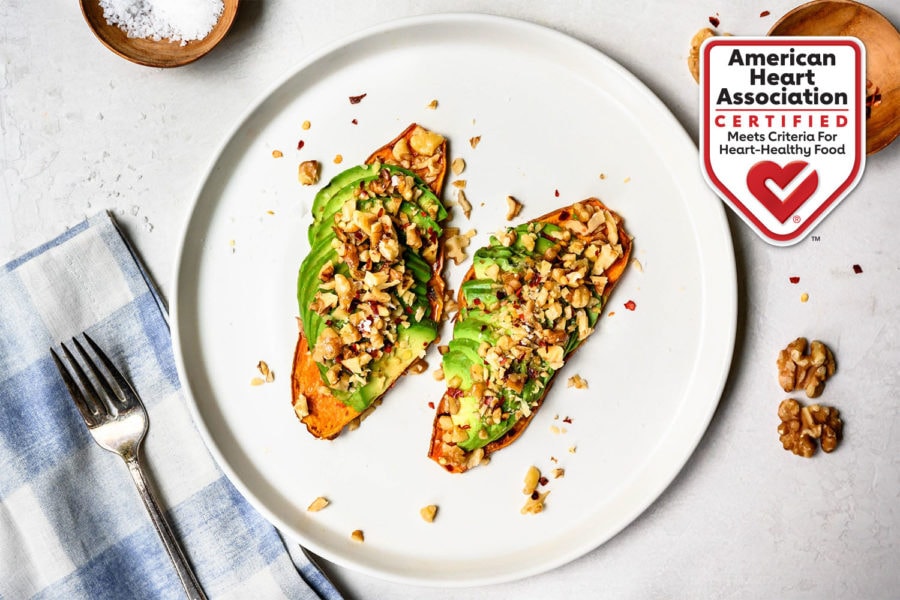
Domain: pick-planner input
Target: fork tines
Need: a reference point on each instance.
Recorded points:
(92, 404)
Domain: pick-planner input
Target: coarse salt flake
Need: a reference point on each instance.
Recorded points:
(175, 20)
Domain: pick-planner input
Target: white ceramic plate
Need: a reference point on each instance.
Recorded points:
(553, 115)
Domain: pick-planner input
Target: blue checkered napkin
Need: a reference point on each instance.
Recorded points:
(71, 522)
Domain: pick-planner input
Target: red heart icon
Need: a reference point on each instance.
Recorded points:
(767, 170)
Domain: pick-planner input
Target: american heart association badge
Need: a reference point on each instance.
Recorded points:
(782, 129)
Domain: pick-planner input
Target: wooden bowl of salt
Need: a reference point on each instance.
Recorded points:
(160, 33)
(882, 42)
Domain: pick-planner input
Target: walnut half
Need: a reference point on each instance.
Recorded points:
(799, 369)
(802, 426)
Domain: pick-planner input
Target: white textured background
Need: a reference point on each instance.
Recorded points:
(83, 130)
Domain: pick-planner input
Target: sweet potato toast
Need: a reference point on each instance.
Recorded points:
(531, 298)
(367, 220)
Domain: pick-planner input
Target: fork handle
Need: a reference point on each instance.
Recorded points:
(182, 567)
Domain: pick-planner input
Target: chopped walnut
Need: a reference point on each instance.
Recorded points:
(534, 504)
(357, 535)
(428, 512)
(318, 504)
(513, 208)
(464, 203)
(801, 426)
(458, 166)
(266, 372)
(474, 141)
(432, 105)
(532, 477)
(577, 382)
(802, 370)
(694, 56)
(418, 367)
(301, 406)
(308, 172)
(277, 153)
(456, 244)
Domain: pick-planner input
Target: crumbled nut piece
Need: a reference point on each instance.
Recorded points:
(305, 125)
(801, 426)
(418, 367)
(558, 472)
(463, 203)
(804, 297)
(637, 265)
(257, 381)
(694, 56)
(534, 504)
(428, 512)
(266, 372)
(338, 159)
(308, 172)
(455, 245)
(577, 382)
(424, 142)
(474, 141)
(532, 477)
(318, 504)
(458, 166)
(438, 374)
(802, 370)
(460, 184)
(277, 153)
(357, 535)
(513, 208)
(301, 406)
(432, 105)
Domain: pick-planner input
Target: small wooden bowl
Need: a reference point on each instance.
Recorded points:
(150, 53)
(882, 42)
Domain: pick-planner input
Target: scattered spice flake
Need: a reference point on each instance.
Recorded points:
(357, 99)
(431, 405)
(714, 20)
(432, 105)
(270, 212)
(804, 297)
(305, 125)
(567, 420)
(602, 175)
(612, 313)
(857, 269)
(764, 13)
(277, 153)
(355, 122)
(630, 305)
(556, 193)
(794, 279)
(554, 460)
(300, 144)
(338, 159)
(474, 141)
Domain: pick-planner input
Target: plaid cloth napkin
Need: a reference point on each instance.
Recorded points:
(72, 524)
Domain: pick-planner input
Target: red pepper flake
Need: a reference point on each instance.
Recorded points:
(857, 269)
(543, 480)
(355, 122)
(357, 99)
(794, 279)
(431, 405)
(714, 20)
(764, 13)
(556, 193)
(630, 305)
(300, 145)
(567, 420)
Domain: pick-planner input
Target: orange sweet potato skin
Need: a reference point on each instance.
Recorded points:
(326, 415)
(613, 274)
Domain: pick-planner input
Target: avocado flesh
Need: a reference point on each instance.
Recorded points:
(411, 339)
(478, 322)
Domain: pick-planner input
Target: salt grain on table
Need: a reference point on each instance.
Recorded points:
(175, 20)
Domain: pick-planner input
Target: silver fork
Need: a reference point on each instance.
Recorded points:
(117, 420)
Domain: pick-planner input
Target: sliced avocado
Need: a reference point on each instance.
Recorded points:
(411, 344)
(344, 179)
